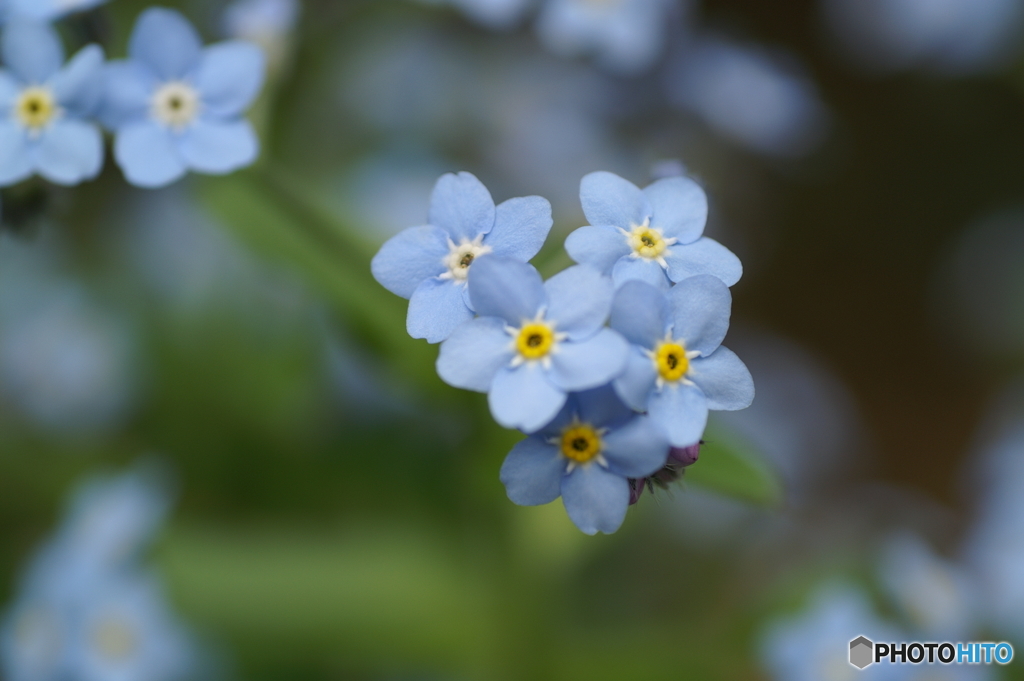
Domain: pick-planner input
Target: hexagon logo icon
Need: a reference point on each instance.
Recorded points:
(861, 652)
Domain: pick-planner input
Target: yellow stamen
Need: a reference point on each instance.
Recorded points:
(580, 443)
(35, 107)
(535, 340)
(647, 242)
(671, 361)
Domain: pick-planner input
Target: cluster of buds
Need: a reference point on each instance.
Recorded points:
(679, 458)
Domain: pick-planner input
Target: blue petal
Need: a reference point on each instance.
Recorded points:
(217, 147)
(78, 87)
(229, 77)
(681, 411)
(520, 228)
(127, 89)
(700, 309)
(680, 208)
(147, 155)
(10, 89)
(637, 449)
(610, 200)
(462, 206)
(31, 50)
(523, 398)
(166, 42)
(636, 382)
(640, 269)
(436, 309)
(640, 313)
(474, 353)
(579, 301)
(599, 246)
(724, 380)
(703, 256)
(590, 363)
(69, 151)
(15, 162)
(595, 499)
(600, 407)
(409, 257)
(509, 289)
(532, 472)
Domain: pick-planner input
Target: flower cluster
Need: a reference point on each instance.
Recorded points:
(172, 106)
(610, 366)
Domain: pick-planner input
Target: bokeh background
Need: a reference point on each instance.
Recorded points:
(333, 511)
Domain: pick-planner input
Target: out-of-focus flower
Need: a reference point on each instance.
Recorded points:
(677, 368)
(430, 265)
(754, 97)
(268, 23)
(951, 36)
(495, 14)
(534, 342)
(175, 106)
(46, 106)
(654, 235)
(48, 10)
(625, 36)
(585, 455)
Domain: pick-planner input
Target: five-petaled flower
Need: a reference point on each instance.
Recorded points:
(654, 235)
(430, 265)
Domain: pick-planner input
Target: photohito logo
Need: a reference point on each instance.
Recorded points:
(864, 652)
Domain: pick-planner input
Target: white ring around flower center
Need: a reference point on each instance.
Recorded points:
(175, 104)
(647, 242)
(461, 256)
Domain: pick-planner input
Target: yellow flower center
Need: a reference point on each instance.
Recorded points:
(36, 107)
(671, 361)
(175, 104)
(535, 340)
(580, 442)
(115, 639)
(647, 242)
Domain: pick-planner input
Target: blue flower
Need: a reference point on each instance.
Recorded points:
(534, 342)
(175, 106)
(585, 455)
(653, 235)
(430, 264)
(48, 10)
(677, 368)
(45, 106)
(495, 14)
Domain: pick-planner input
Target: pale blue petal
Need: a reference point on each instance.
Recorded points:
(10, 89)
(700, 310)
(31, 50)
(569, 411)
(147, 155)
(216, 147)
(474, 353)
(523, 398)
(703, 256)
(532, 472)
(409, 257)
(640, 269)
(166, 42)
(15, 162)
(610, 200)
(69, 151)
(681, 411)
(509, 289)
(637, 449)
(579, 301)
(590, 363)
(680, 208)
(127, 89)
(462, 206)
(724, 380)
(640, 313)
(520, 228)
(436, 309)
(78, 87)
(599, 246)
(595, 499)
(636, 382)
(600, 407)
(229, 77)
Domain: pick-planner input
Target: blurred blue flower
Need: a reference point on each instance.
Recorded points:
(677, 368)
(534, 341)
(48, 10)
(268, 23)
(46, 129)
(430, 264)
(175, 106)
(495, 14)
(654, 235)
(585, 455)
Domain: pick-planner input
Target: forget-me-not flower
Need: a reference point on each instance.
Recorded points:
(586, 455)
(534, 342)
(677, 368)
(48, 10)
(45, 107)
(430, 265)
(175, 106)
(654, 235)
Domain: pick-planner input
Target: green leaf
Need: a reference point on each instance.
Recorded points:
(730, 465)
